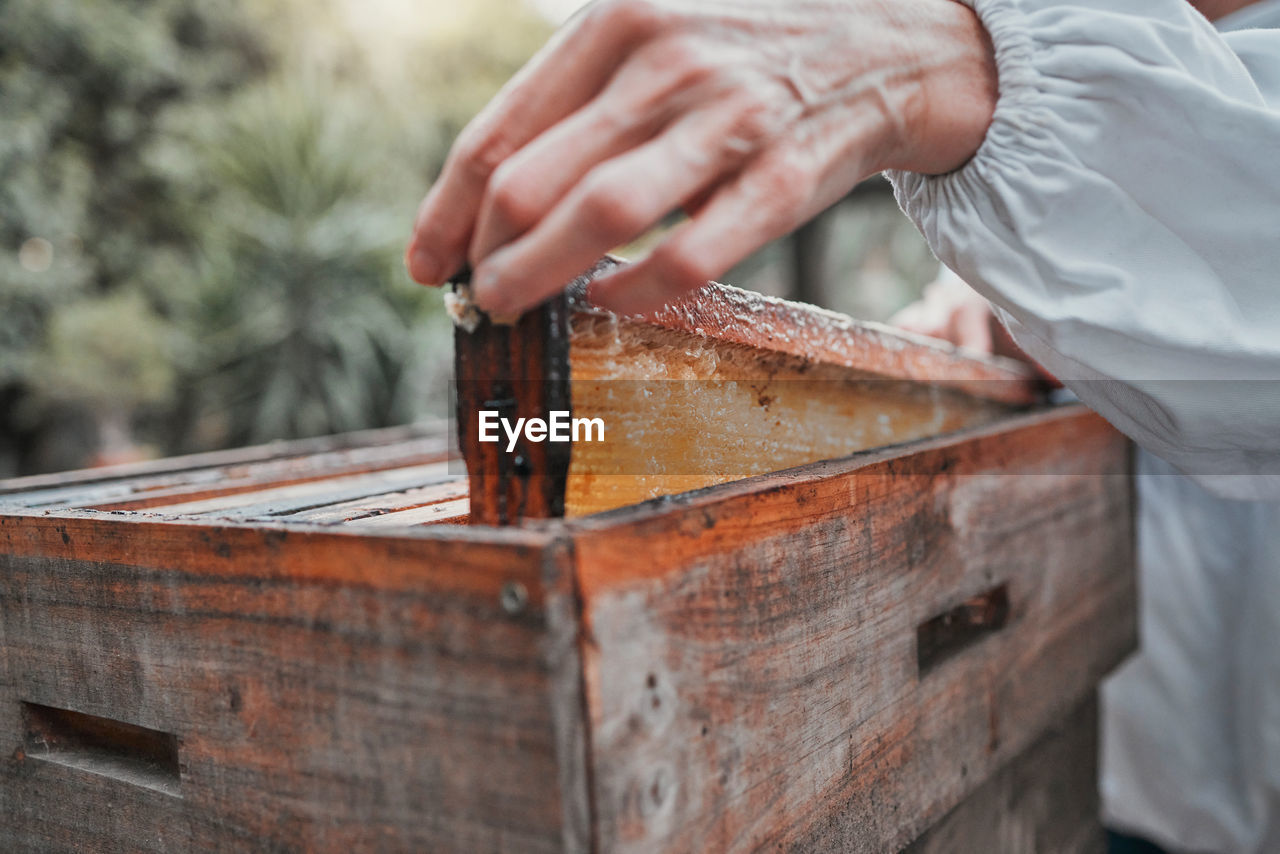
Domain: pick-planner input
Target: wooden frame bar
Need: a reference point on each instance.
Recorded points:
(764, 367)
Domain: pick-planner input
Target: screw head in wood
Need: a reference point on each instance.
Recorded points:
(514, 598)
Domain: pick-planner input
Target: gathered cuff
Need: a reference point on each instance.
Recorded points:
(1020, 118)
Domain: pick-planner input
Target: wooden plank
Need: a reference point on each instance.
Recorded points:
(719, 386)
(365, 509)
(283, 500)
(684, 411)
(224, 458)
(452, 512)
(137, 493)
(751, 663)
(520, 371)
(1044, 801)
(326, 692)
(816, 335)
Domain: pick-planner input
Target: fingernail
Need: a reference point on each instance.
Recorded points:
(423, 267)
(485, 290)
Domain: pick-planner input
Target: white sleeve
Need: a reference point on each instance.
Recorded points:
(1123, 215)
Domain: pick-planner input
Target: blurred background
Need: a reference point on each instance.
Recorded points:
(203, 206)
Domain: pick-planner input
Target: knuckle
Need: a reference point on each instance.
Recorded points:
(639, 18)
(479, 154)
(686, 61)
(510, 198)
(612, 119)
(756, 119)
(609, 213)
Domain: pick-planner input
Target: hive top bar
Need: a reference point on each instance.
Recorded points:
(401, 476)
(821, 336)
(762, 384)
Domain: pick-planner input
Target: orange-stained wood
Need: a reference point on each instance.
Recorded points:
(169, 471)
(722, 385)
(816, 335)
(429, 560)
(730, 669)
(752, 671)
(519, 371)
(327, 692)
(684, 411)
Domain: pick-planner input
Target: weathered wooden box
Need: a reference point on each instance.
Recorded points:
(298, 647)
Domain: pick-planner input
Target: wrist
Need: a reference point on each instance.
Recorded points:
(955, 88)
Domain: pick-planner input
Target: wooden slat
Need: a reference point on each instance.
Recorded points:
(363, 509)
(137, 493)
(1045, 801)
(684, 411)
(296, 472)
(327, 692)
(284, 500)
(752, 668)
(521, 371)
(722, 385)
(224, 458)
(454, 512)
(770, 325)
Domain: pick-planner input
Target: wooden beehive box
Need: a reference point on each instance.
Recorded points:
(304, 647)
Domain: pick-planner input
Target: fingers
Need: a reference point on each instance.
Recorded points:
(770, 198)
(922, 317)
(530, 183)
(613, 204)
(632, 108)
(565, 74)
(811, 167)
(970, 326)
(949, 309)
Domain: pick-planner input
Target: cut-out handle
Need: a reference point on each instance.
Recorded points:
(127, 752)
(959, 628)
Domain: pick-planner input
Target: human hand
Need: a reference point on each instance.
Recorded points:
(753, 116)
(951, 310)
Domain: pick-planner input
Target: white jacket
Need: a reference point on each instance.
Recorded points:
(1123, 215)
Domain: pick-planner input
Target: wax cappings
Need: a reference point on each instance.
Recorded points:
(461, 310)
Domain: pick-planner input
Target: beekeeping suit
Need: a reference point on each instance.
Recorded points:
(1123, 217)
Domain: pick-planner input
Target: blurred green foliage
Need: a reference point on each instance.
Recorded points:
(307, 326)
(202, 209)
(203, 205)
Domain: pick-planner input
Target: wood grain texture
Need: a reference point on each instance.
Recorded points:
(816, 335)
(832, 658)
(519, 371)
(751, 661)
(329, 692)
(721, 385)
(217, 464)
(685, 411)
(1044, 801)
(143, 490)
(384, 505)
